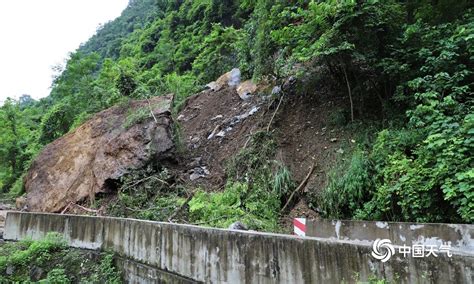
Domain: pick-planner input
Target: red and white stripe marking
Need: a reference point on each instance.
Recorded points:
(299, 225)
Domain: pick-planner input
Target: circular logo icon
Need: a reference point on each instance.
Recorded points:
(382, 249)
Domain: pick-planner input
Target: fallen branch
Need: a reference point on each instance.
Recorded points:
(66, 208)
(145, 179)
(170, 218)
(247, 142)
(271, 120)
(151, 110)
(80, 207)
(301, 186)
(350, 93)
(86, 209)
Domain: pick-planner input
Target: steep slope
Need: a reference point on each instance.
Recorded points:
(394, 75)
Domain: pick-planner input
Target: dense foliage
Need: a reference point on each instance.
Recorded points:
(404, 65)
(50, 261)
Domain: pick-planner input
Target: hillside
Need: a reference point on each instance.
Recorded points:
(379, 107)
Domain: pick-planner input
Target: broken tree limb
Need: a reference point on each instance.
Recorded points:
(143, 180)
(66, 208)
(151, 110)
(301, 186)
(170, 218)
(85, 208)
(247, 142)
(276, 110)
(80, 207)
(350, 92)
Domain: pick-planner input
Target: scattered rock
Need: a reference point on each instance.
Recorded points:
(246, 89)
(196, 162)
(222, 129)
(340, 151)
(82, 163)
(199, 172)
(181, 117)
(231, 79)
(213, 133)
(194, 176)
(36, 273)
(10, 270)
(220, 134)
(213, 86)
(289, 83)
(276, 90)
(333, 140)
(238, 226)
(253, 110)
(243, 116)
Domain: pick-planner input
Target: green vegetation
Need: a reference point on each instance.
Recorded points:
(422, 171)
(147, 194)
(51, 261)
(404, 65)
(255, 187)
(137, 116)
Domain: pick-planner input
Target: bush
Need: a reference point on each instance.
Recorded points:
(146, 194)
(56, 276)
(59, 263)
(18, 187)
(256, 208)
(347, 192)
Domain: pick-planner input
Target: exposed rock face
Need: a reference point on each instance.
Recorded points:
(88, 160)
(231, 79)
(245, 89)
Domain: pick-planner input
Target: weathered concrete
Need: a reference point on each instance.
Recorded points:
(459, 236)
(135, 272)
(222, 256)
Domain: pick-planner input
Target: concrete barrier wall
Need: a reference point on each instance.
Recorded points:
(222, 256)
(459, 236)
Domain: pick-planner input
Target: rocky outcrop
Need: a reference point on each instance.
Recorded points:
(246, 89)
(91, 158)
(229, 79)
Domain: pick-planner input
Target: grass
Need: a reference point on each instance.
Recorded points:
(49, 260)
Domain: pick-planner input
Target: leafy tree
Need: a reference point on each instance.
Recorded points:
(56, 122)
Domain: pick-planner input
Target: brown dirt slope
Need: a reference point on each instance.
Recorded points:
(301, 125)
(215, 126)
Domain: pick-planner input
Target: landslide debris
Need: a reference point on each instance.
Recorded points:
(91, 158)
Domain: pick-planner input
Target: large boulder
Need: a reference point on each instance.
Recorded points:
(91, 158)
(229, 79)
(246, 89)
